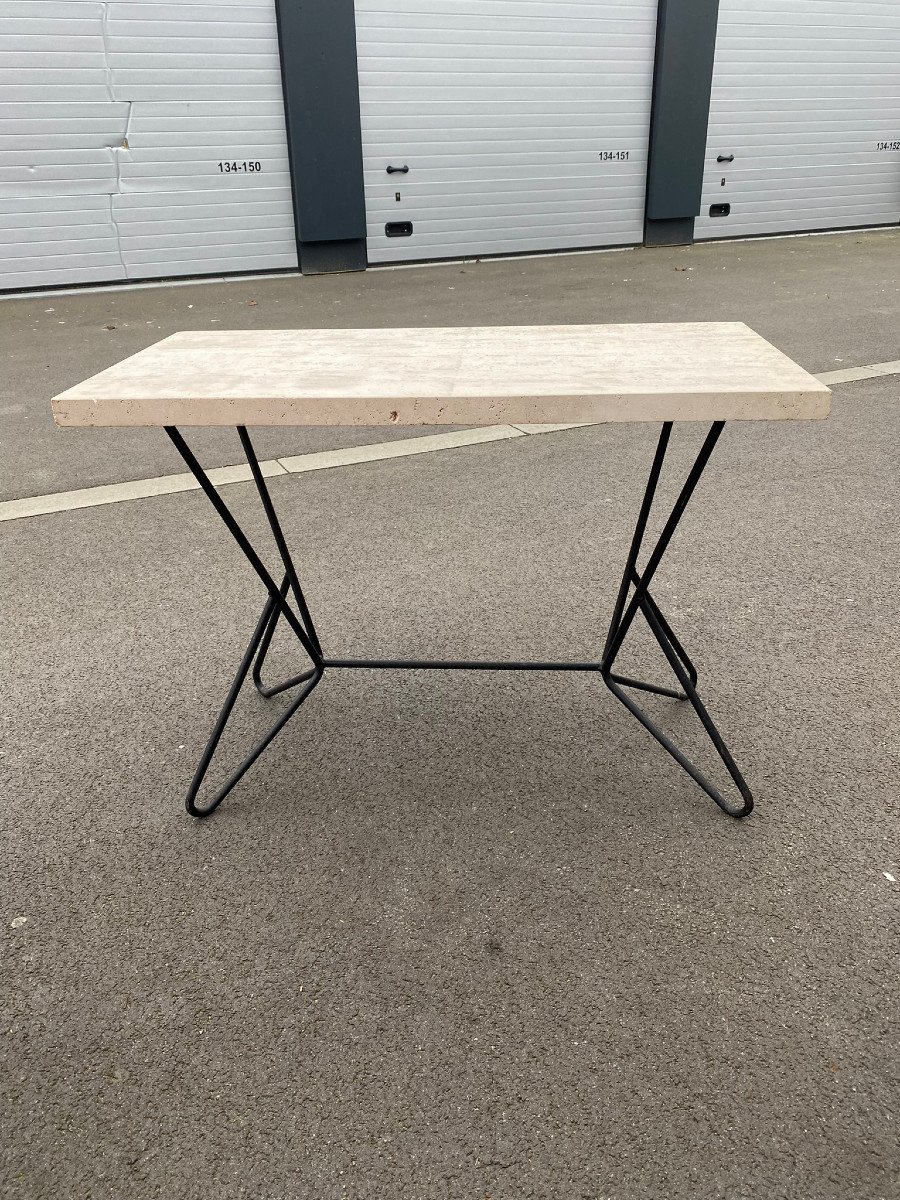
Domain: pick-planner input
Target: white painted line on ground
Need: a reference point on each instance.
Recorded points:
(242, 473)
(135, 489)
(888, 368)
(848, 376)
(552, 428)
(298, 464)
(872, 371)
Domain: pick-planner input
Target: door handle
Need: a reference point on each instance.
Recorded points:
(721, 158)
(404, 170)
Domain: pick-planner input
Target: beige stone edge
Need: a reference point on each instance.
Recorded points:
(165, 485)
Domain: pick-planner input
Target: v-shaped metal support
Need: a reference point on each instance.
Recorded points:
(278, 606)
(625, 611)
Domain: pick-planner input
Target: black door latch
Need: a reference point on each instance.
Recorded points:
(404, 170)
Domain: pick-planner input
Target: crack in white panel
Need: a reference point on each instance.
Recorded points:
(104, 33)
(115, 225)
(118, 152)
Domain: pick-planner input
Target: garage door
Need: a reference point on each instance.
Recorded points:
(806, 98)
(498, 126)
(140, 140)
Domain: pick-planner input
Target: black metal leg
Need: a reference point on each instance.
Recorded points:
(276, 605)
(633, 597)
(649, 603)
(662, 631)
(625, 611)
(206, 758)
(275, 526)
(265, 643)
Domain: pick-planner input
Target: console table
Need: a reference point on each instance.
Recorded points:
(710, 372)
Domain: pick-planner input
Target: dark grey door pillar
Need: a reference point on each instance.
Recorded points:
(317, 40)
(682, 78)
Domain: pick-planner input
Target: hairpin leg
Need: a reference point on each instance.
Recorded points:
(625, 611)
(276, 605)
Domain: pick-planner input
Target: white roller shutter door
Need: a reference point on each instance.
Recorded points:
(806, 96)
(524, 123)
(115, 119)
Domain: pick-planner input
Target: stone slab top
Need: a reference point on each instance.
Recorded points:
(698, 371)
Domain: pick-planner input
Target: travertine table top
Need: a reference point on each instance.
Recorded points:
(481, 376)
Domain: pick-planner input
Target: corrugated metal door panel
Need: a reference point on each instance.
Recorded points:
(182, 234)
(47, 240)
(57, 172)
(191, 139)
(48, 126)
(501, 109)
(806, 96)
(48, 48)
(58, 124)
(205, 80)
(173, 191)
(198, 60)
(38, 219)
(131, 106)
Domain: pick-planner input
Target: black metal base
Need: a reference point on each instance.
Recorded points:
(627, 605)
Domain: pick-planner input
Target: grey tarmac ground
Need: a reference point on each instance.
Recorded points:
(470, 936)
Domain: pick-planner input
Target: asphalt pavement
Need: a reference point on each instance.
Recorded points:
(469, 936)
